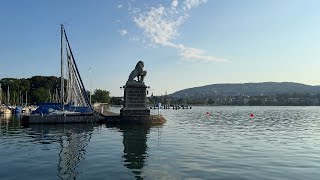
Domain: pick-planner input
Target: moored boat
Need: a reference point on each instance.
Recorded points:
(5, 110)
(74, 101)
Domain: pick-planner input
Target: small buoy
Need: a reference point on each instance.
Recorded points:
(252, 115)
(208, 114)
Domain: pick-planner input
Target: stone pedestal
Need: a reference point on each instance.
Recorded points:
(135, 100)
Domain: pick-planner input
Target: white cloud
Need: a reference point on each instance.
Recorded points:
(120, 6)
(123, 32)
(194, 53)
(160, 26)
(188, 4)
(174, 3)
(134, 39)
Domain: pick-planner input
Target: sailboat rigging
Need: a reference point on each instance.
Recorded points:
(73, 95)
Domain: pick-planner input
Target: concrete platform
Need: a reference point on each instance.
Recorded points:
(107, 118)
(136, 120)
(60, 119)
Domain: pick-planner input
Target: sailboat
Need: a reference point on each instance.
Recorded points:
(74, 100)
(4, 109)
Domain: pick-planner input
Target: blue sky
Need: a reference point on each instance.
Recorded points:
(183, 43)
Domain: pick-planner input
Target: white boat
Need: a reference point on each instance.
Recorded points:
(5, 110)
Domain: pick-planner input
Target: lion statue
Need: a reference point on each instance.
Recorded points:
(138, 72)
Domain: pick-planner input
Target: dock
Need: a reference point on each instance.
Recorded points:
(105, 118)
(60, 119)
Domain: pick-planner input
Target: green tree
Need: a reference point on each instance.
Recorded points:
(210, 101)
(255, 102)
(116, 101)
(13, 85)
(101, 96)
(40, 95)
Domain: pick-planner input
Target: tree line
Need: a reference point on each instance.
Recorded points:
(284, 99)
(37, 89)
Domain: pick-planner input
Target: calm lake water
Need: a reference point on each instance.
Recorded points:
(278, 143)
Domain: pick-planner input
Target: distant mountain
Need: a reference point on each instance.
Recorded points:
(246, 89)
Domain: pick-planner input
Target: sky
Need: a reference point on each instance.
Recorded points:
(183, 43)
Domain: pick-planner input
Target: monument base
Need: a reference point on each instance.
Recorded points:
(135, 100)
(149, 120)
(134, 112)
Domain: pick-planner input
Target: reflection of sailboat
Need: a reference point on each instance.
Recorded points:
(4, 119)
(72, 139)
(135, 148)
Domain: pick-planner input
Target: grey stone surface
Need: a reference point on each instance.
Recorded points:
(135, 101)
(134, 120)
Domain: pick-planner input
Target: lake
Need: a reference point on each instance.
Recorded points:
(197, 143)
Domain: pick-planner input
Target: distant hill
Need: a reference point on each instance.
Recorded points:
(246, 89)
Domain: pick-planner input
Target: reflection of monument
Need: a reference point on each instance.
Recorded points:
(135, 148)
(72, 139)
(135, 92)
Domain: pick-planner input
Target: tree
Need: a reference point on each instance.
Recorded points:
(116, 100)
(255, 102)
(101, 96)
(13, 85)
(210, 101)
(39, 95)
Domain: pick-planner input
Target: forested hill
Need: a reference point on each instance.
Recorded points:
(246, 89)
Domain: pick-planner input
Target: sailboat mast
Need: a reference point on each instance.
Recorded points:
(0, 94)
(62, 78)
(8, 96)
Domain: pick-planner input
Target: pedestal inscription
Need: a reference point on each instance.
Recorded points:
(135, 100)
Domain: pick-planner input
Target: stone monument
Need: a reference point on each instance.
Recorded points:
(135, 92)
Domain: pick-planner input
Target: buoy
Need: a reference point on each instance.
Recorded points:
(208, 114)
(252, 115)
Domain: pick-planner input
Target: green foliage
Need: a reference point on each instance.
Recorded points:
(47, 82)
(24, 85)
(40, 95)
(116, 101)
(255, 102)
(286, 99)
(40, 89)
(101, 96)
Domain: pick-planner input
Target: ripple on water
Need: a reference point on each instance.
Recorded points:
(278, 143)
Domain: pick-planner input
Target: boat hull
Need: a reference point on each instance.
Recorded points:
(60, 119)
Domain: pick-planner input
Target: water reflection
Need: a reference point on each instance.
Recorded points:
(135, 147)
(9, 124)
(72, 140)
